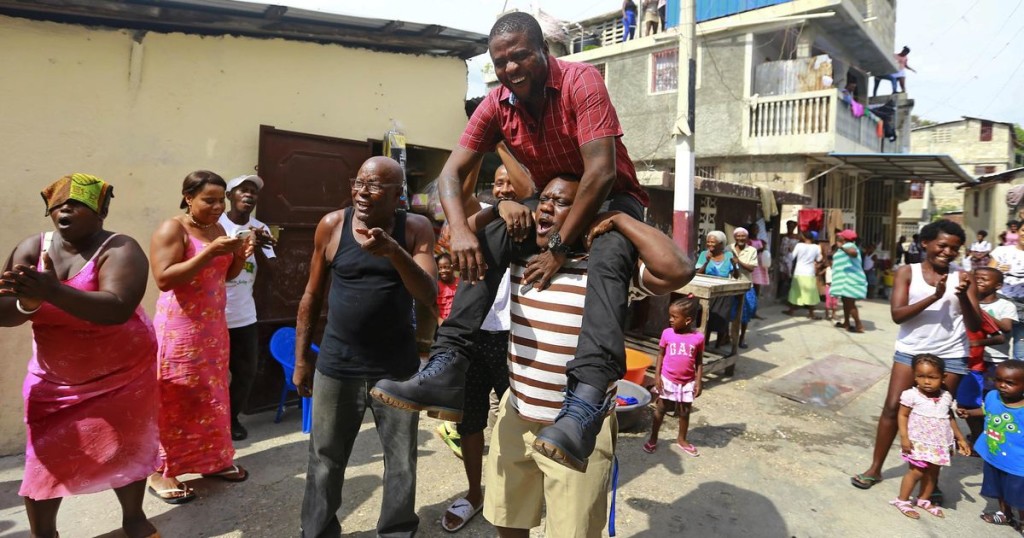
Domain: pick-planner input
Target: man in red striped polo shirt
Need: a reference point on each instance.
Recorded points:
(556, 118)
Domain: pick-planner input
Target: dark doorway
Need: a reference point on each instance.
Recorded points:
(305, 177)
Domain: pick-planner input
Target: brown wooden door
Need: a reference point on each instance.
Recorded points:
(305, 177)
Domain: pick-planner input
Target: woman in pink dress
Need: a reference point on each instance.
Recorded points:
(90, 392)
(759, 276)
(191, 258)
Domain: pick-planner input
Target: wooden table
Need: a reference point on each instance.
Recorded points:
(705, 288)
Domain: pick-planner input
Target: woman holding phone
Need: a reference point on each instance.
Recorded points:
(191, 257)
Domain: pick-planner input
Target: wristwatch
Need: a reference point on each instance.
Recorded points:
(556, 246)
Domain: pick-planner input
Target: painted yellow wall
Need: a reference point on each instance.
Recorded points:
(144, 114)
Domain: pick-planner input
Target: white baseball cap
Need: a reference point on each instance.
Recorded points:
(242, 179)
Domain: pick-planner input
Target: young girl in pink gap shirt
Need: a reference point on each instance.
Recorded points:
(679, 371)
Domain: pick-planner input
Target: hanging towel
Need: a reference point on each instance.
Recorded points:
(835, 222)
(856, 108)
(768, 206)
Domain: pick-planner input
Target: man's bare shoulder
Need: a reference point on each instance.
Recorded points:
(418, 222)
(334, 218)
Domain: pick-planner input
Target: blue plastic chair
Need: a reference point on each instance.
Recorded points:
(282, 348)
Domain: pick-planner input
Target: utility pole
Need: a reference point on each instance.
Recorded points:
(683, 202)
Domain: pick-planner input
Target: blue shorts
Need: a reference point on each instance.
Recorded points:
(999, 484)
(973, 387)
(956, 366)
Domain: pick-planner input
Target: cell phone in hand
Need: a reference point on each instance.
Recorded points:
(243, 233)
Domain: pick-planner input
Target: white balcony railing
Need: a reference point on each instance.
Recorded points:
(787, 115)
(808, 122)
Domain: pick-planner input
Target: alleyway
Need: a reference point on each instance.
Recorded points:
(769, 467)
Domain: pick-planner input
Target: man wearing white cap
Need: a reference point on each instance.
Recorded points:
(240, 310)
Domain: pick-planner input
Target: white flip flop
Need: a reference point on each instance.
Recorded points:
(463, 510)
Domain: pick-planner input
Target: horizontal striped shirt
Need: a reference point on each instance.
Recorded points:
(545, 332)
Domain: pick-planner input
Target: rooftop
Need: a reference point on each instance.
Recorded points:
(229, 17)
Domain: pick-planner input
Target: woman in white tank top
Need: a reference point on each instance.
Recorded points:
(934, 307)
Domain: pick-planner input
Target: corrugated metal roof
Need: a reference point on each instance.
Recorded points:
(228, 17)
(903, 166)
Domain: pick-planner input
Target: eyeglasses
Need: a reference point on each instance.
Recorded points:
(373, 186)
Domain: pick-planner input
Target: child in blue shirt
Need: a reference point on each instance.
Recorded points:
(1002, 444)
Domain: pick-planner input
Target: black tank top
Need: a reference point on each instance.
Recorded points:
(369, 313)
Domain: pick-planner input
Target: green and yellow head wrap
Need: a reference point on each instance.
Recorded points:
(89, 190)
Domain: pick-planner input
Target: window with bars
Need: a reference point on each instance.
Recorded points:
(707, 172)
(941, 135)
(986, 132)
(665, 71)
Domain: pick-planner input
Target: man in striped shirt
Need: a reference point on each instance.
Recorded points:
(544, 334)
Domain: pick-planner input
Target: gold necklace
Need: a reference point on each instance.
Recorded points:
(197, 225)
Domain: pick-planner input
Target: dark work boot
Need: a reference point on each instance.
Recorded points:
(439, 388)
(571, 439)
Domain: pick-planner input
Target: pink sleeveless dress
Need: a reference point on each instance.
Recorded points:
(90, 400)
(192, 332)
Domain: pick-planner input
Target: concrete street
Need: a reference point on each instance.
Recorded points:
(769, 467)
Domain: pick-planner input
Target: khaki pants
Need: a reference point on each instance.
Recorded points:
(520, 482)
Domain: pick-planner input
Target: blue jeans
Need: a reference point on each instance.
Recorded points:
(338, 409)
(1018, 340)
(629, 26)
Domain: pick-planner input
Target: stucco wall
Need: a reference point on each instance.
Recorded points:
(720, 98)
(646, 118)
(782, 173)
(81, 99)
(960, 140)
(992, 213)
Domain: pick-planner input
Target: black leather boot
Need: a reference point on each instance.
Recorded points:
(439, 388)
(571, 439)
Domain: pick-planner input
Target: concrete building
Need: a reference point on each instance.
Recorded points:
(781, 103)
(984, 149)
(142, 94)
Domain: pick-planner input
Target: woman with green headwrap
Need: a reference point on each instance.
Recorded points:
(91, 389)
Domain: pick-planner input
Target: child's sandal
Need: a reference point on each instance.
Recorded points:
(906, 508)
(998, 518)
(930, 508)
(650, 447)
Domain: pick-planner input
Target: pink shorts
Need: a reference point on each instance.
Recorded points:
(831, 303)
(676, 392)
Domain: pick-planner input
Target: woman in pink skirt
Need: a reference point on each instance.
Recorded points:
(759, 276)
(90, 393)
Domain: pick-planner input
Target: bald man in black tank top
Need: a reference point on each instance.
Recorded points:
(380, 260)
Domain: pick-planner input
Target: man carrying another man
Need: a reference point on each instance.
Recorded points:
(556, 118)
(545, 331)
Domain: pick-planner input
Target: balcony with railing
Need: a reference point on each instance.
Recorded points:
(809, 122)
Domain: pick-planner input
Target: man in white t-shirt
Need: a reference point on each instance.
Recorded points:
(240, 309)
(1009, 259)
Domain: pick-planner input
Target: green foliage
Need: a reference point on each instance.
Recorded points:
(917, 121)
